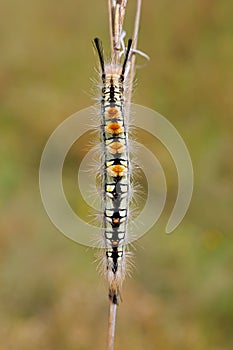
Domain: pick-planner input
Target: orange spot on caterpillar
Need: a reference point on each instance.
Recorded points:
(116, 170)
(112, 112)
(116, 147)
(114, 128)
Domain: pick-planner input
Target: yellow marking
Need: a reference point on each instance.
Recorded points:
(109, 188)
(110, 163)
(115, 243)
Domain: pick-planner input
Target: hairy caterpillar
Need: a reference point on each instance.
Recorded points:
(115, 165)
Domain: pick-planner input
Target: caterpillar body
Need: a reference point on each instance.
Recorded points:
(115, 177)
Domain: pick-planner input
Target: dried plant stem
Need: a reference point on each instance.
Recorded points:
(110, 16)
(111, 326)
(116, 11)
(134, 47)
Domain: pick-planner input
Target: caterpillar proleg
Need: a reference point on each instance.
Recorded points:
(115, 179)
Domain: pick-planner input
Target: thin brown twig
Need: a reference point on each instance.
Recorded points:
(133, 56)
(110, 16)
(116, 11)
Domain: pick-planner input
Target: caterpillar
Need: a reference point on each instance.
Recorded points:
(116, 168)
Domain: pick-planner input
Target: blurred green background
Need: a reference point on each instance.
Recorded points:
(180, 292)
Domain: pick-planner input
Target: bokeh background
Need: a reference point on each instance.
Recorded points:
(180, 292)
